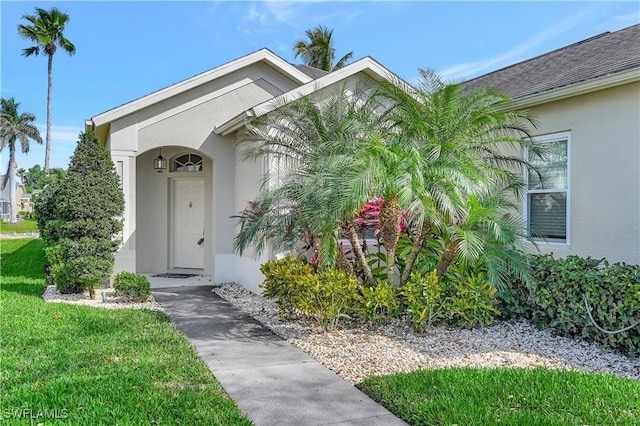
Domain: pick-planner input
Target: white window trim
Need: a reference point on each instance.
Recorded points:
(172, 165)
(554, 137)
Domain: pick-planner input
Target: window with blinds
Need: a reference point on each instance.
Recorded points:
(548, 189)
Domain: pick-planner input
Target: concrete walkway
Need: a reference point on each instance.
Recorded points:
(273, 382)
(17, 235)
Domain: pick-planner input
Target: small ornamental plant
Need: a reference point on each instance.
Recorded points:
(133, 287)
(423, 299)
(380, 303)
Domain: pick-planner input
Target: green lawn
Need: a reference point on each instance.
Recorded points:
(95, 366)
(467, 396)
(27, 225)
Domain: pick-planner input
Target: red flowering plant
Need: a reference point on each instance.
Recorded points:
(368, 217)
(367, 226)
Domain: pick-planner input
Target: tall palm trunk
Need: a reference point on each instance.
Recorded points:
(446, 259)
(343, 263)
(359, 254)
(418, 246)
(13, 218)
(390, 215)
(47, 149)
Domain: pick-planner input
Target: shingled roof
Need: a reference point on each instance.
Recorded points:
(600, 56)
(312, 72)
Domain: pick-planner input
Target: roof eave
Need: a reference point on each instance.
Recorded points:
(594, 85)
(367, 65)
(234, 124)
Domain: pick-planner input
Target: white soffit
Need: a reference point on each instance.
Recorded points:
(263, 55)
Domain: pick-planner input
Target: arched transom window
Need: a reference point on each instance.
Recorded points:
(187, 163)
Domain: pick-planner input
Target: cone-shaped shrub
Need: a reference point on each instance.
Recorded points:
(89, 208)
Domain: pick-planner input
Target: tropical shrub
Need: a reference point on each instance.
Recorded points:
(130, 286)
(35, 178)
(555, 297)
(327, 296)
(473, 302)
(379, 303)
(282, 281)
(425, 259)
(423, 298)
(49, 227)
(56, 271)
(87, 263)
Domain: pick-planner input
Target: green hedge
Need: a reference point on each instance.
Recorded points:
(555, 298)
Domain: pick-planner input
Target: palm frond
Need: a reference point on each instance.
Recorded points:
(46, 29)
(16, 127)
(318, 51)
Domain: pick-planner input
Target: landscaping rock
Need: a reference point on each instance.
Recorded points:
(51, 294)
(358, 350)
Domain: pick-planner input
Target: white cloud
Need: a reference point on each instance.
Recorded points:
(68, 134)
(519, 53)
(264, 16)
(259, 17)
(254, 15)
(281, 11)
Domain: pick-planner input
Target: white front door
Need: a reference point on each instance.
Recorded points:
(188, 223)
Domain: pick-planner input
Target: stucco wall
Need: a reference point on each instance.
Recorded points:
(604, 171)
(180, 124)
(248, 177)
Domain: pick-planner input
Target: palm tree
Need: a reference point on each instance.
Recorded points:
(318, 50)
(45, 29)
(434, 151)
(15, 127)
(23, 174)
(310, 142)
(470, 145)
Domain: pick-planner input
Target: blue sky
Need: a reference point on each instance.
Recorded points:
(129, 49)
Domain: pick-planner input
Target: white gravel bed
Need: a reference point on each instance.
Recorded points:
(51, 294)
(357, 350)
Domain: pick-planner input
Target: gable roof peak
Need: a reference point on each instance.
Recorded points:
(261, 55)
